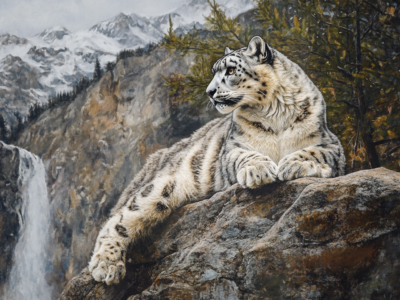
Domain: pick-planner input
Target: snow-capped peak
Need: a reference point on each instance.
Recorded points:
(129, 30)
(54, 60)
(8, 39)
(54, 33)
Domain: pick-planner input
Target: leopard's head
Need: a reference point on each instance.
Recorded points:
(243, 77)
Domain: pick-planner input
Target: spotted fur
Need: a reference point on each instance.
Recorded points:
(275, 129)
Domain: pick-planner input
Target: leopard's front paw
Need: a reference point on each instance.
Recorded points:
(108, 263)
(256, 173)
(294, 166)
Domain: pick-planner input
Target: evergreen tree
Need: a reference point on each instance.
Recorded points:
(3, 129)
(97, 71)
(349, 48)
(110, 66)
(139, 51)
(20, 122)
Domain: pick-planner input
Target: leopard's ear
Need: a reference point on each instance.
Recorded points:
(259, 51)
(227, 51)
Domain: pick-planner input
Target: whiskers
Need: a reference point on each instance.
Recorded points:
(209, 106)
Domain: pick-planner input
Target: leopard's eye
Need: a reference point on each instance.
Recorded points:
(230, 71)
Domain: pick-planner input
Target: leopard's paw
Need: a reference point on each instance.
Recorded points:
(108, 263)
(257, 173)
(295, 166)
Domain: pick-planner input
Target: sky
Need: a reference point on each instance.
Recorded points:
(25, 18)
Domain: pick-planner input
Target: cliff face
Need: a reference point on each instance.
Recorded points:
(305, 239)
(93, 147)
(10, 207)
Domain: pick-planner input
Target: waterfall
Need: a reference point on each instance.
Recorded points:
(27, 278)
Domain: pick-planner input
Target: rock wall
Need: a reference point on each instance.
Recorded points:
(94, 146)
(304, 239)
(10, 206)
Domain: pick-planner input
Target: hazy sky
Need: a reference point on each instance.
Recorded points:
(28, 17)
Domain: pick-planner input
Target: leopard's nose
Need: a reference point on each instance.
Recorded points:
(211, 93)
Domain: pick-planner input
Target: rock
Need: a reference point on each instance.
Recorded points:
(10, 206)
(304, 239)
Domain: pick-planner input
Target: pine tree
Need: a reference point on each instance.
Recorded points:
(3, 129)
(349, 48)
(97, 71)
(20, 122)
(110, 66)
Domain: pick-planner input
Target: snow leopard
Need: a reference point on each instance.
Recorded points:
(275, 129)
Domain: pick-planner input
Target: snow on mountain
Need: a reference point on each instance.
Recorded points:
(129, 30)
(19, 86)
(195, 10)
(8, 39)
(181, 24)
(53, 60)
(54, 33)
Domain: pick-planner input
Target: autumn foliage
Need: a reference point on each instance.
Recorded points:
(349, 48)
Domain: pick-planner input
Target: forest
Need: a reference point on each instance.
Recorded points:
(350, 49)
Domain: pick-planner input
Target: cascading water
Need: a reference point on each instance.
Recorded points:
(27, 278)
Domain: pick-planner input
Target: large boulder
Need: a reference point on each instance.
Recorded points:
(305, 239)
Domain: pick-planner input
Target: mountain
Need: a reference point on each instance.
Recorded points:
(196, 10)
(8, 39)
(129, 30)
(19, 86)
(54, 33)
(57, 58)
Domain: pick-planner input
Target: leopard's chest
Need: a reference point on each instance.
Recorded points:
(278, 141)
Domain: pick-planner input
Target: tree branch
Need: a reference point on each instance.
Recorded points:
(342, 82)
(386, 141)
(350, 104)
(353, 163)
(334, 25)
(369, 27)
(379, 11)
(319, 54)
(346, 73)
(393, 150)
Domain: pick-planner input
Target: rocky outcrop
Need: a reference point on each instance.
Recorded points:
(304, 239)
(10, 207)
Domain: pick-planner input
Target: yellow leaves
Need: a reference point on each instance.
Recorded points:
(296, 22)
(391, 134)
(276, 14)
(332, 90)
(389, 90)
(343, 54)
(336, 43)
(360, 75)
(382, 19)
(379, 121)
(304, 28)
(391, 11)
